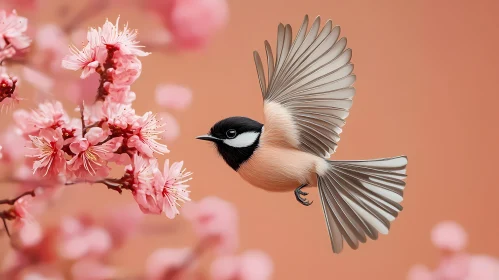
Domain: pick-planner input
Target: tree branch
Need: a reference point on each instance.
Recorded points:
(12, 201)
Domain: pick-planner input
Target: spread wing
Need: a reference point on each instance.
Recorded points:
(310, 82)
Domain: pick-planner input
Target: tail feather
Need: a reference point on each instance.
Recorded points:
(361, 198)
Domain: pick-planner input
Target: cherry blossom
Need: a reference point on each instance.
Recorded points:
(251, 265)
(48, 115)
(47, 152)
(148, 129)
(163, 262)
(455, 263)
(191, 22)
(92, 153)
(214, 218)
(173, 96)
(12, 29)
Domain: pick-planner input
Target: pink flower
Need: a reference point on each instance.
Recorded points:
(92, 153)
(8, 93)
(94, 113)
(147, 130)
(165, 261)
(251, 265)
(192, 22)
(78, 240)
(420, 272)
(12, 29)
(119, 93)
(125, 40)
(453, 267)
(52, 42)
(215, 218)
(483, 268)
(28, 233)
(48, 115)
(127, 69)
(86, 59)
(173, 187)
(123, 223)
(449, 236)
(91, 269)
(157, 193)
(118, 115)
(173, 96)
(47, 150)
(141, 175)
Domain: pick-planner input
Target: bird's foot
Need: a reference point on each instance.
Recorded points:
(299, 194)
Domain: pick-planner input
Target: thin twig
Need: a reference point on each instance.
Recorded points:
(5, 225)
(83, 129)
(12, 201)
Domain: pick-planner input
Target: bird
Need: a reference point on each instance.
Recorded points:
(307, 95)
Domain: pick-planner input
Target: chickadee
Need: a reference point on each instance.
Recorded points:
(306, 101)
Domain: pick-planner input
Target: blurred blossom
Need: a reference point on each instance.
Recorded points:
(38, 79)
(83, 90)
(166, 261)
(122, 223)
(79, 240)
(91, 269)
(455, 264)
(173, 96)
(251, 265)
(483, 268)
(449, 236)
(52, 44)
(420, 272)
(214, 218)
(191, 23)
(172, 128)
(27, 234)
(22, 4)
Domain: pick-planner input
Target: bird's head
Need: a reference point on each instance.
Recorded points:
(236, 139)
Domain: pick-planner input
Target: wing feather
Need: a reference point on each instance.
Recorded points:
(312, 78)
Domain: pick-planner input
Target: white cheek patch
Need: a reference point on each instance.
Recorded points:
(242, 140)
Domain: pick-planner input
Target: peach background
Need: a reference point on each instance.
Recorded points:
(426, 88)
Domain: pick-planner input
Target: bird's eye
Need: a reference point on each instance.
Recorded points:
(231, 133)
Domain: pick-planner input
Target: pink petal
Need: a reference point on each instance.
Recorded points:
(80, 145)
(95, 135)
(449, 236)
(173, 96)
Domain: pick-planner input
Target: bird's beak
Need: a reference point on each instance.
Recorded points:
(208, 137)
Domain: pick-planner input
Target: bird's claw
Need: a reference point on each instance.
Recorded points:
(299, 194)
